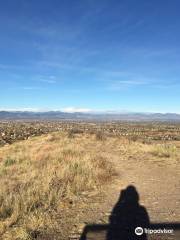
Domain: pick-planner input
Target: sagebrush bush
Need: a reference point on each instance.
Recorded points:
(100, 136)
(73, 131)
(164, 150)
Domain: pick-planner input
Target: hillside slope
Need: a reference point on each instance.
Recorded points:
(54, 185)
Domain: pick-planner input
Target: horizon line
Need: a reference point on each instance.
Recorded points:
(84, 111)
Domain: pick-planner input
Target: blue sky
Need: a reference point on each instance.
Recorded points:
(90, 55)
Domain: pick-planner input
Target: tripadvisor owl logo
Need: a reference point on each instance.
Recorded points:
(139, 231)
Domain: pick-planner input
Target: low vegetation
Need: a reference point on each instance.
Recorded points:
(43, 176)
(164, 150)
(38, 175)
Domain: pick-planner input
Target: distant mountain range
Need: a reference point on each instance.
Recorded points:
(58, 115)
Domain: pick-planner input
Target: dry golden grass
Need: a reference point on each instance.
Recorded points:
(37, 175)
(40, 174)
(165, 150)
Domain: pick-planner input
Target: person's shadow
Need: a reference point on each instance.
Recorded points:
(126, 216)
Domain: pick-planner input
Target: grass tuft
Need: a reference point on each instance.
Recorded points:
(9, 162)
(164, 151)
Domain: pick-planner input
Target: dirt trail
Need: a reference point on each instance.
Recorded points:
(158, 185)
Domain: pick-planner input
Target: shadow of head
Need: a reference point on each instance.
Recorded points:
(129, 196)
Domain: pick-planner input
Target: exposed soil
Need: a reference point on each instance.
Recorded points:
(157, 182)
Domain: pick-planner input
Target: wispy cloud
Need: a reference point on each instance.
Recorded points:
(153, 52)
(76, 109)
(66, 109)
(84, 69)
(135, 82)
(21, 109)
(116, 85)
(153, 83)
(27, 88)
(32, 88)
(47, 79)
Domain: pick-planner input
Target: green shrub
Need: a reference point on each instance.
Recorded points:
(9, 162)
